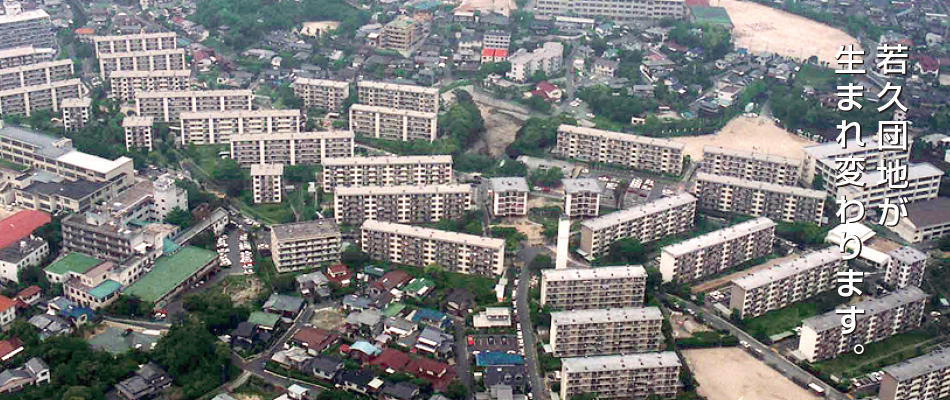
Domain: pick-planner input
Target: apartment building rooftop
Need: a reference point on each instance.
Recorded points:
(548, 49)
(106, 38)
(789, 268)
(929, 212)
(621, 136)
(24, 51)
(718, 237)
(751, 155)
(23, 248)
(914, 171)
(37, 88)
(294, 136)
(638, 211)
(33, 67)
(46, 145)
(91, 162)
(620, 362)
(267, 169)
(766, 186)
(388, 160)
(908, 255)
(162, 73)
(137, 121)
(399, 87)
(393, 111)
(321, 82)
(585, 185)
(600, 316)
(583, 274)
(918, 366)
(896, 298)
(193, 93)
(508, 184)
(75, 190)
(76, 102)
(305, 230)
(25, 15)
(401, 189)
(241, 114)
(427, 233)
(142, 53)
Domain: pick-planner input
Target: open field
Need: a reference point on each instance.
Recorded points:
(748, 378)
(752, 134)
(724, 281)
(762, 28)
(786, 319)
(328, 318)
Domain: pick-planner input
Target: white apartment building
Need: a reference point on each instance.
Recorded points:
(402, 97)
(167, 106)
(717, 251)
(321, 93)
(267, 182)
(27, 28)
(411, 204)
(751, 165)
(25, 55)
(75, 113)
(387, 171)
(138, 132)
(146, 60)
(581, 197)
(758, 199)
(421, 247)
(304, 245)
(905, 267)
(548, 59)
(926, 220)
(583, 333)
(137, 42)
(924, 377)
(648, 222)
(597, 145)
(306, 148)
(393, 123)
(217, 127)
(23, 101)
(43, 73)
(626, 13)
(786, 283)
(124, 84)
(27, 252)
(820, 159)
(149, 200)
(923, 183)
(507, 197)
(628, 376)
(593, 288)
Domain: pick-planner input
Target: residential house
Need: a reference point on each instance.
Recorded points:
(359, 381)
(315, 340)
(34, 372)
(283, 305)
(49, 325)
(30, 295)
(147, 382)
(493, 317)
(7, 311)
(294, 358)
(434, 341)
(314, 283)
(10, 348)
(325, 368)
(399, 391)
(339, 274)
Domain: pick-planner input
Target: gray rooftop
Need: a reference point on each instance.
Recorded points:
(638, 211)
(764, 186)
(47, 146)
(786, 269)
(751, 155)
(918, 366)
(720, 236)
(600, 316)
(929, 213)
(283, 303)
(583, 274)
(305, 230)
(20, 249)
(871, 307)
(75, 190)
(908, 255)
(620, 363)
(585, 185)
(508, 184)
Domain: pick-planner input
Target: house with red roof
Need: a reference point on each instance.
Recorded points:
(21, 225)
(10, 348)
(391, 361)
(927, 65)
(494, 55)
(339, 274)
(391, 280)
(547, 91)
(315, 340)
(437, 373)
(7, 311)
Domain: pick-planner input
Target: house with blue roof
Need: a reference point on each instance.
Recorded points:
(494, 358)
(429, 317)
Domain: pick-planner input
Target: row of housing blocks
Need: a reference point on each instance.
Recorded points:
(30, 80)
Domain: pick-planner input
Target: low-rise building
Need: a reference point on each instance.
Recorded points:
(786, 283)
(593, 288)
(393, 123)
(420, 247)
(306, 148)
(633, 151)
(593, 332)
(138, 132)
(75, 113)
(905, 268)
(304, 245)
(924, 377)
(124, 84)
(25, 253)
(751, 165)
(641, 375)
(147, 382)
(43, 192)
(387, 171)
(926, 220)
(758, 199)
(507, 197)
(324, 94)
(34, 372)
(402, 204)
(217, 127)
(492, 317)
(581, 197)
(100, 234)
(647, 222)
(267, 185)
(718, 251)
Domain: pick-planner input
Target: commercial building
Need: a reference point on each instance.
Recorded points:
(822, 336)
(628, 376)
(758, 199)
(421, 247)
(718, 251)
(75, 113)
(25, 100)
(124, 84)
(581, 197)
(268, 186)
(393, 123)
(648, 222)
(926, 220)
(172, 274)
(786, 283)
(306, 148)
(27, 28)
(101, 235)
(413, 204)
(167, 106)
(596, 145)
(924, 377)
(820, 159)
(217, 127)
(905, 267)
(593, 288)
(639, 10)
(751, 165)
(321, 93)
(387, 171)
(146, 60)
(547, 59)
(402, 97)
(137, 42)
(304, 245)
(403, 34)
(583, 333)
(507, 197)
(138, 132)
(45, 192)
(43, 73)
(149, 201)
(25, 55)
(923, 183)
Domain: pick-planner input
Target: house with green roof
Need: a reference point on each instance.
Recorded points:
(419, 287)
(77, 263)
(171, 273)
(263, 320)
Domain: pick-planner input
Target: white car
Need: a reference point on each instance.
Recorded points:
(590, 115)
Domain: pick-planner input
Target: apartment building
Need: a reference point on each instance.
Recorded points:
(387, 171)
(626, 13)
(926, 220)
(393, 123)
(100, 234)
(27, 28)
(411, 204)
(547, 59)
(924, 377)
(25, 100)
(648, 222)
(421, 247)
(718, 251)
(750, 165)
(267, 182)
(146, 60)
(321, 93)
(25, 55)
(905, 267)
(495, 46)
(124, 84)
(584, 333)
(758, 199)
(593, 288)
(403, 34)
(138, 132)
(167, 106)
(507, 197)
(786, 283)
(137, 42)
(45, 192)
(596, 145)
(403, 97)
(581, 197)
(628, 376)
(148, 201)
(217, 127)
(43, 73)
(822, 336)
(304, 245)
(820, 159)
(923, 183)
(75, 113)
(307, 148)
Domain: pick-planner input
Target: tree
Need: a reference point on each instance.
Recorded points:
(129, 306)
(537, 103)
(540, 262)
(179, 217)
(548, 178)
(627, 251)
(457, 391)
(299, 174)
(216, 311)
(228, 173)
(194, 357)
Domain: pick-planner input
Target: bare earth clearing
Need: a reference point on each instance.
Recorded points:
(753, 134)
(748, 378)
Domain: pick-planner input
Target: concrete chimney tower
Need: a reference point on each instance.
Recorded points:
(563, 240)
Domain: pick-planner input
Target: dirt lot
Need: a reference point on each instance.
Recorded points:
(762, 28)
(753, 134)
(748, 378)
(723, 281)
(330, 319)
(533, 230)
(500, 130)
(883, 245)
(504, 7)
(242, 288)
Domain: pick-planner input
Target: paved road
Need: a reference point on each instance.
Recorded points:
(463, 368)
(255, 364)
(524, 318)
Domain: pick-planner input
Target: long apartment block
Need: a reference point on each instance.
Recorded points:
(820, 159)
(25, 100)
(583, 333)
(307, 148)
(138, 132)
(758, 199)
(136, 42)
(751, 165)
(388, 171)
(124, 84)
(35, 74)
(403, 97)
(596, 145)
(924, 377)
(715, 252)
(626, 377)
(593, 288)
(322, 93)
(217, 127)
(421, 247)
(167, 106)
(923, 183)
(148, 60)
(25, 55)
(786, 283)
(393, 123)
(823, 337)
(403, 204)
(304, 245)
(648, 222)
(905, 267)
(27, 28)
(634, 11)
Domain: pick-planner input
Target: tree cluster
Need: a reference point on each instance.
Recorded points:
(536, 135)
(463, 122)
(621, 108)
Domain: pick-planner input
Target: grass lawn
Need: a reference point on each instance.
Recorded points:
(814, 76)
(607, 124)
(876, 355)
(778, 321)
(271, 213)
